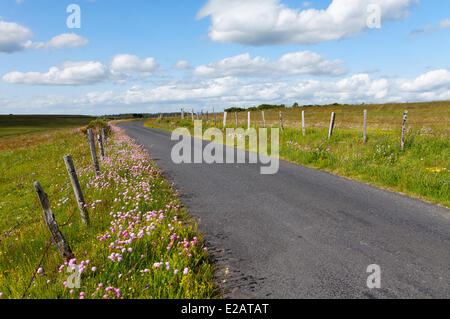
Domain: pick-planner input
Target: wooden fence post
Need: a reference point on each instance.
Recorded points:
(281, 121)
(207, 117)
(224, 119)
(263, 119)
(76, 188)
(192, 115)
(405, 117)
(182, 114)
(303, 123)
(236, 117)
(215, 118)
(100, 144)
(333, 117)
(104, 137)
(57, 236)
(249, 121)
(365, 127)
(93, 152)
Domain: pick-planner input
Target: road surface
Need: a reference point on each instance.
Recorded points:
(305, 233)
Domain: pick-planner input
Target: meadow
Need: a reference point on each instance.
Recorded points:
(25, 124)
(420, 170)
(140, 243)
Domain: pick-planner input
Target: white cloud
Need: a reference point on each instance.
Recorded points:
(297, 63)
(13, 36)
(444, 24)
(228, 91)
(269, 22)
(66, 40)
(181, 65)
(431, 81)
(71, 73)
(131, 63)
(429, 28)
(122, 68)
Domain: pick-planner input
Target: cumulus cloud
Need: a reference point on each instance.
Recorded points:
(431, 81)
(353, 89)
(429, 28)
(15, 37)
(66, 40)
(122, 68)
(227, 91)
(71, 73)
(269, 22)
(181, 65)
(131, 63)
(297, 63)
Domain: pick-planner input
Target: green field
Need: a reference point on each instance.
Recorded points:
(141, 242)
(23, 124)
(421, 170)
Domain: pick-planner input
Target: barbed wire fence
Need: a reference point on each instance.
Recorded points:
(358, 120)
(57, 237)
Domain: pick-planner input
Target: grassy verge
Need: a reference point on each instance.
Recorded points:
(141, 243)
(421, 170)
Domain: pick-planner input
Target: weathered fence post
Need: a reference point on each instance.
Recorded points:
(100, 144)
(249, 121)
(182, 114)
(224, 119)
(192, 115)
(365, 126)
(207, 117)
(57, 236)
(93, 152)
(303, 123)
(215, 118)
(281, 121)
(405, 117)
(236, 118)
(76, 188)
(104, 137)
(263, 119)
(333, 117)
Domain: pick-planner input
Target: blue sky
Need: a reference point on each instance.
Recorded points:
(233, 53)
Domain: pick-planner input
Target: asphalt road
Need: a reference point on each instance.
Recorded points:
(305, 233)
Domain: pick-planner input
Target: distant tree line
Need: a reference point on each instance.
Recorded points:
(263, 107)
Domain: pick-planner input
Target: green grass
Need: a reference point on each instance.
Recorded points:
(131, 193)
(421, 170)
(24, 124)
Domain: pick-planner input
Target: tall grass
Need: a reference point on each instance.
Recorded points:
(141, 242)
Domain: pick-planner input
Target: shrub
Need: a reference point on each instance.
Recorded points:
(97, 126)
